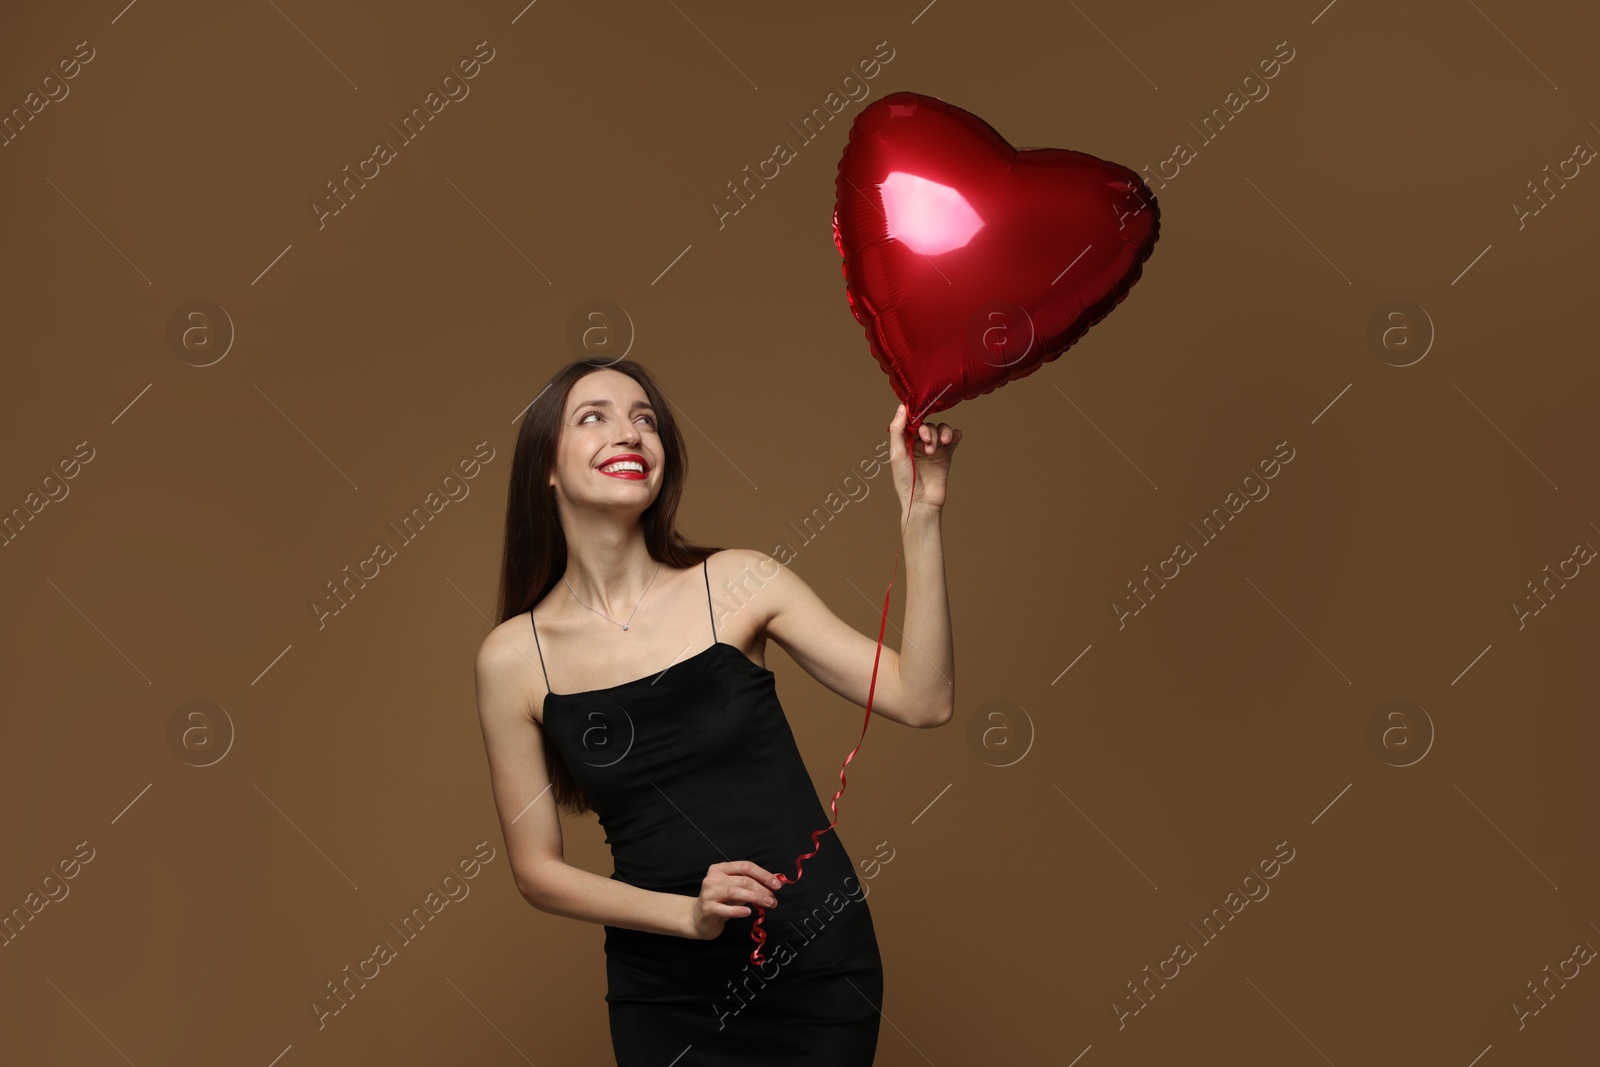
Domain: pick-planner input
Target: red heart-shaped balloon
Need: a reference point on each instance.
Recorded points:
(971, 263)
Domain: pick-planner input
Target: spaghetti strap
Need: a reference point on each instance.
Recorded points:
(535, 626)
(540, 648)
(704, 567)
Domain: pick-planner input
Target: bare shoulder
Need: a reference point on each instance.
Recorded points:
(729, 563)
(754, 582)
(506, 669)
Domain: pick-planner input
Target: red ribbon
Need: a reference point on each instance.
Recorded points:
(756, 931)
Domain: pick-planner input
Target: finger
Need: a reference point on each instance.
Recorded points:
(757, 872)
(736, 894)
(755, 894)
(754, 890)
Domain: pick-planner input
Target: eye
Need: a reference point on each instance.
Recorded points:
(654, 424)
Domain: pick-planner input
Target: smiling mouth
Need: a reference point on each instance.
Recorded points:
(626, 473)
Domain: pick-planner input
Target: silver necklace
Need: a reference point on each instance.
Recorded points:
(602, 614)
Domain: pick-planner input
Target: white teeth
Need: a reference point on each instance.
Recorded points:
(623, 465)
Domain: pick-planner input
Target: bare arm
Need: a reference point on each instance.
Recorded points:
(563, 889)
(529, 821)
(925, 668)
(916, 685)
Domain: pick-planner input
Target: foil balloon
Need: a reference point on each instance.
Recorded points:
(972, 263)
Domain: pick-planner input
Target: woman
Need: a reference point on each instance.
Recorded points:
(692, 769)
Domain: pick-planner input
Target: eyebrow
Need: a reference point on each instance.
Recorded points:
(637, 404)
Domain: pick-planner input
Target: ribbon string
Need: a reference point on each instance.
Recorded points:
(756, 931)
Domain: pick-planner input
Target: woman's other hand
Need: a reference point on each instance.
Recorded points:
(725, 887)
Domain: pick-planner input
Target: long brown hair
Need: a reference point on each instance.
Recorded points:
(535, 554)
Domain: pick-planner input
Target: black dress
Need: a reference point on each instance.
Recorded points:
(693, 766)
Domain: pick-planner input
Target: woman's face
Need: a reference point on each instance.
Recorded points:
(608, 416)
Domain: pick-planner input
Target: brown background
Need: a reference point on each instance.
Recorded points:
(371, 355)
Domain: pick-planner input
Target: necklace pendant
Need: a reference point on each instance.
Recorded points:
(624, 626)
